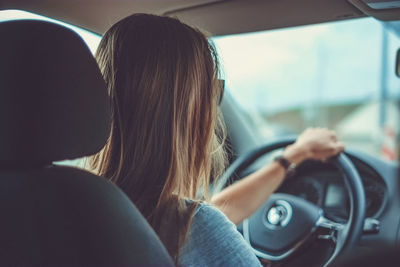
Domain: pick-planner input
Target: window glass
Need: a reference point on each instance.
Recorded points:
(338, 75)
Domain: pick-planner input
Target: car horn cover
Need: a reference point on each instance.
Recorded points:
(287, 220)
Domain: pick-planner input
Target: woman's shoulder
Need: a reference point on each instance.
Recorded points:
(208, 217)
(209, 224)
(213, 240)
(205, 210)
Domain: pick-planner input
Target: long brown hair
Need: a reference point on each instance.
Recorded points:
(166, 138)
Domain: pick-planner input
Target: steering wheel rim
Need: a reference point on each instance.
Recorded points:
(347, 234)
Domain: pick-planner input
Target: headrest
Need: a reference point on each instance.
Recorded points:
(53, 99)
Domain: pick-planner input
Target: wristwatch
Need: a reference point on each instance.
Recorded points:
(286, 164)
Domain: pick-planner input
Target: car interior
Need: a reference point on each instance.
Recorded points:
(345, 211)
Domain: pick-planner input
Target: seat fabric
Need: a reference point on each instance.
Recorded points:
(54, 106)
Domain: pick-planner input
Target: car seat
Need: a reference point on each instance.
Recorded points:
(53, 107)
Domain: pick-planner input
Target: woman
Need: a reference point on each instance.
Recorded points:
(166, 140)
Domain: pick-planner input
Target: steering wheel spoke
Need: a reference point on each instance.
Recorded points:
(333, 231)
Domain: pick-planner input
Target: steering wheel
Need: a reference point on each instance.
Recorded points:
(278, 228)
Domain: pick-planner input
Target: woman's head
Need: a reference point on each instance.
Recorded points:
(162, 81)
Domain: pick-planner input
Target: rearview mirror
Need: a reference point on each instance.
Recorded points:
(398, 63)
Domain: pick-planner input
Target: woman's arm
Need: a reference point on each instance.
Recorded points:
(243, 198)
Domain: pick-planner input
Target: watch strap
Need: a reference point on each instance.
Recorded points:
(286, 164)
(283, 162)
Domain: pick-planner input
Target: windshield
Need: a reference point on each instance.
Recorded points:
(338, 75)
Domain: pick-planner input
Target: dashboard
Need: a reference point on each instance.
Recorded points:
(323, 185)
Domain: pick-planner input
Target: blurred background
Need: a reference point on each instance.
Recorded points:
(338, 75)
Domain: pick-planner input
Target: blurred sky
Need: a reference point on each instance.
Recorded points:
(326, 63)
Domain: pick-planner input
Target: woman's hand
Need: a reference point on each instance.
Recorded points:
(314, 143)
(243, 198)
